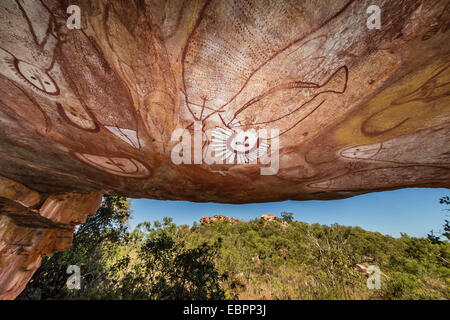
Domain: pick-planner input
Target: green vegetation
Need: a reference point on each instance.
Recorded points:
(446, 233)
(282, 259)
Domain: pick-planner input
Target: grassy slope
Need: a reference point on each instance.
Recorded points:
(278, 260)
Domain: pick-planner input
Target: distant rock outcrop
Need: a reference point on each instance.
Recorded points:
(218, 217)
(268, 217)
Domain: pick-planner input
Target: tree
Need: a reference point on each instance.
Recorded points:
(163, 267)
(108, 225)
(287, 216)
(446, 233)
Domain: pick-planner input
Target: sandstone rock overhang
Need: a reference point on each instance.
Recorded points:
(358, 109)
(356, 93)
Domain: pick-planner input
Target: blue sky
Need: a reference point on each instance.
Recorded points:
(414, 211)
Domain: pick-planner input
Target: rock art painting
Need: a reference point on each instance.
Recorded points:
(389, 176)
(244, 147)
(434, 90)
(99, 104)
(434, 146)
(305, 100)
(126, 167)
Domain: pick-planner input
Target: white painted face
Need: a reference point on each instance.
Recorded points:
(245, 146)
(76, 115)
(36, 78)
(243, 142)
(126, 167)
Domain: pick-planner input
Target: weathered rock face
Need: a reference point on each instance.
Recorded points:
(31, 227)
(268, 217)
(357, 109)
(218, 217)
(349, 109)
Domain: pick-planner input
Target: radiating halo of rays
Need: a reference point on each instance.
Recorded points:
(221, 143)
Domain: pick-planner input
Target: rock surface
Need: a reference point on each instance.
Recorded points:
(29, 230)
(94, 109)
(268, 217)
(348, 109)
(218, 217)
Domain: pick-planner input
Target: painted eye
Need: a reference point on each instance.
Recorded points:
(46, 82)
(33, 77)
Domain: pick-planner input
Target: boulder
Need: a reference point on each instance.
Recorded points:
(361, 268)
(268, 217)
